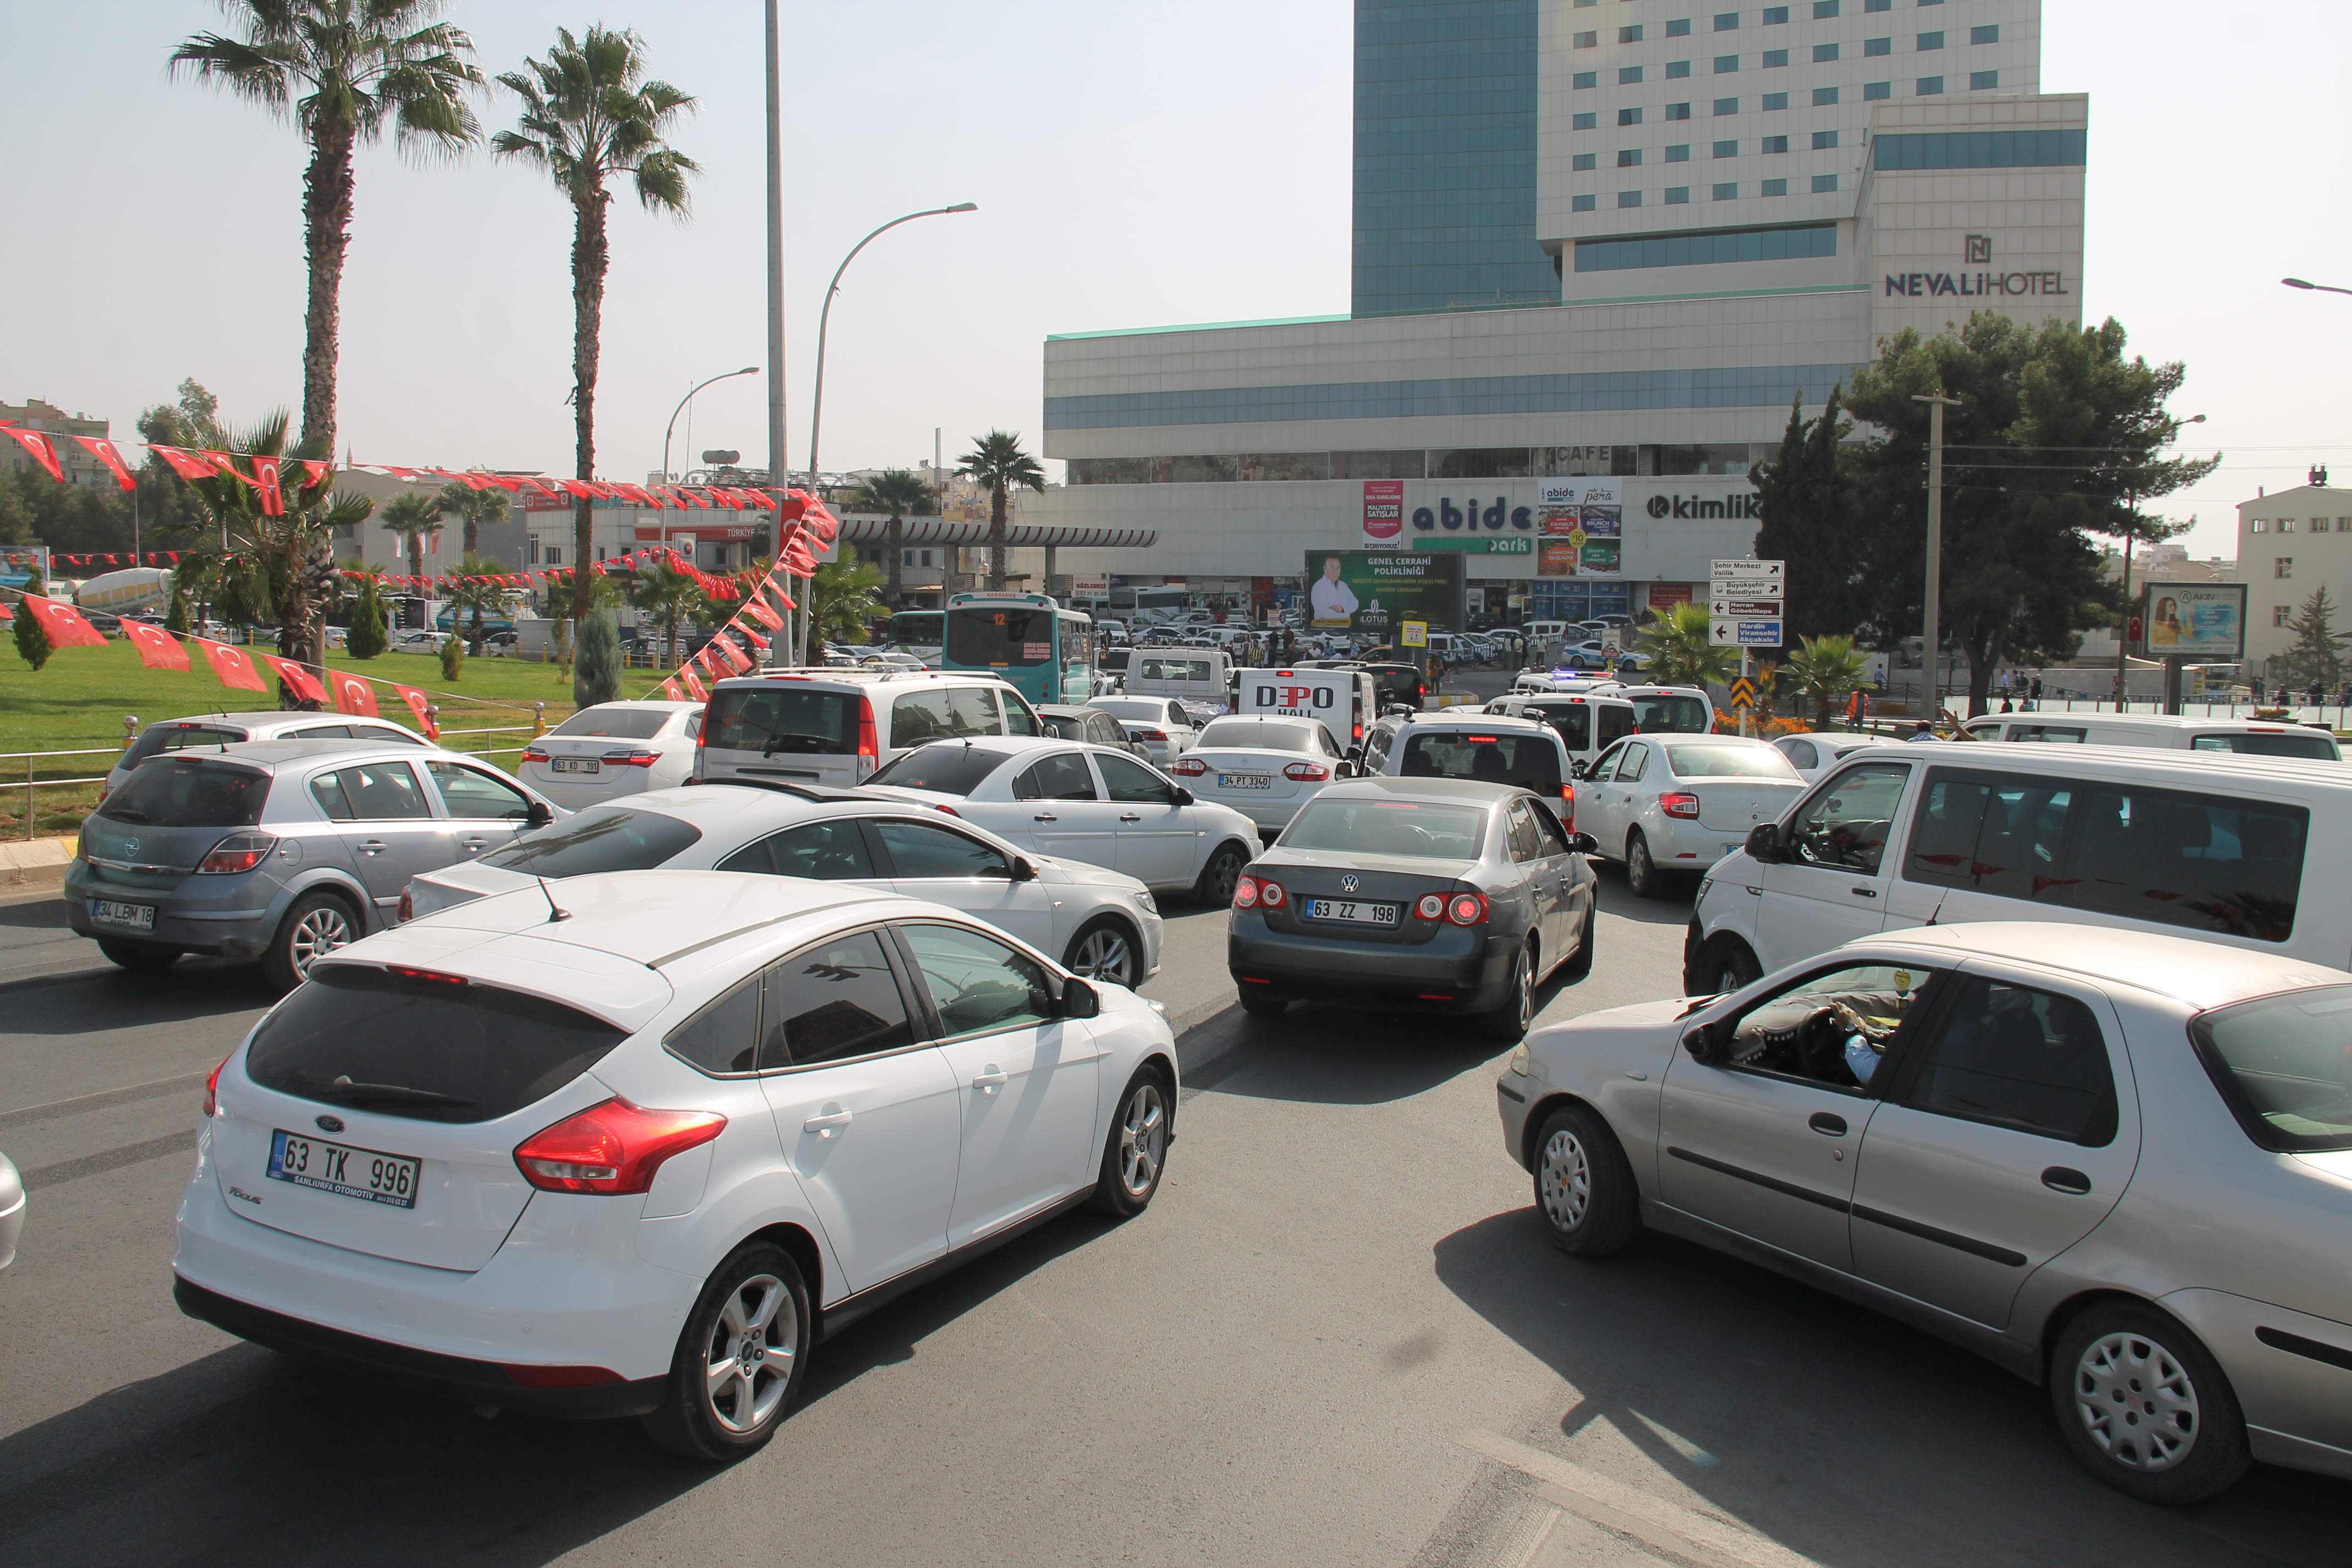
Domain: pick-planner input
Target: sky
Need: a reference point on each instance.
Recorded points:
(1135, 163)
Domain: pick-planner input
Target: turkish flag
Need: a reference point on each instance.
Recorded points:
(187, 465)
(757, 609)
(298, 681)
(352, 693)
(318, 468)
(422, 706)
(671, 690)
(775, 587)
(273, 498)
(44, 450)
(101, 449)
(737, 659)
(232, 666)
(745, 632)
(158, 650)
(694, 685)
(63, 623)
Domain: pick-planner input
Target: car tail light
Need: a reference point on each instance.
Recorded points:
(1430, 908)
(869, 748)
(407, 910)
(612, 1148)
(1271, 895)
(1467, 908)
(1567, 807)
(1679, 805)
(237, 852)
(638, 757)
(212, 1085)
(1148, 735)
(535, 754)
(1188, 767)
(1307, 773)
(951, 811)
(1244, 892)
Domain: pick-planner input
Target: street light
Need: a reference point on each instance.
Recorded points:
(2322, 288)
(747, 370)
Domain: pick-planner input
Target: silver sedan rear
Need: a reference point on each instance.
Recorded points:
(1264, 768)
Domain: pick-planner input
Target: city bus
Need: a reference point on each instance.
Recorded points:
(919, 631)
(1047, 652)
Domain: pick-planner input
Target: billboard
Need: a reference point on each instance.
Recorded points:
(1384, 511)
(2199, 621)
(1583, 528)
(1375, 589)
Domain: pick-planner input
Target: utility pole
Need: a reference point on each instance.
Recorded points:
(1931, 641)
(2123, 627)
(779, 474)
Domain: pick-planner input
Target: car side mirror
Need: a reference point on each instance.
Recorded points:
(1701, 1045)
(1080, 999)
(1583, 844)
(1023, 870)
(1764, 843)
(540, 814)
(1181, 796)
(1355, 754)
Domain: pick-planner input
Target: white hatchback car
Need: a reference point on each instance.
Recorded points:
(614, 749)
(1814, 754)
(1680, 803)
(1161, 723)
(1265, 768)
(639, 1159)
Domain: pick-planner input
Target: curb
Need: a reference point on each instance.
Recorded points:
(29, 862)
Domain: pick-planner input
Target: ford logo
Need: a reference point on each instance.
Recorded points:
(1348, 883)
(329, 1123)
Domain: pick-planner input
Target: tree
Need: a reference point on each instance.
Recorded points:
(841, 600)
(32, 637)
(588, 116)
(477, 509)
(342, 71)
(997, 462)
(667, 595)
(1825, 669)
(596, 673)
(453, 658)
(1681, 650)
(415, 517)
(473, 592)
(1805, 502)
(897, 491)
(366, 636)
(2315, 655)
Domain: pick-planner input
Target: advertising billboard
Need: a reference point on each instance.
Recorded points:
(1375, 591)
(1384, 511)
(2205, 621)
(1582, 525)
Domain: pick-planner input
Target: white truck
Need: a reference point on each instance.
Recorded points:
(1346, 700)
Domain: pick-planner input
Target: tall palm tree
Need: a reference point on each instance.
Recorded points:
(660, 590)
(897, 491)
(476, 508)
(473, 592)
(1825, 669)
(589, 115)
(841, 600)
(415, 517)
(1681, 653)
(341, 69)
(997, 462)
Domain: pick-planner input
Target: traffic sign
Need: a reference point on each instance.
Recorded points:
(1416, 635)
(1749, 587)
(1743, 694)
(1775, 571)
(1744, 634)
(1725, 609)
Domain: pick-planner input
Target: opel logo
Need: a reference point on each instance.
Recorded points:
(329, 1123)
(131, 846)
(1348, 883)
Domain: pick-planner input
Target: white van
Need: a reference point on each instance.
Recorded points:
(1587, 725)
(2169, 731)
(836, 727)
(1189, 674)
(1344, 699)
(2244, 850)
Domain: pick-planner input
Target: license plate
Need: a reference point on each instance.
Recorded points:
(1245, 781)
(139, 917)
(576, 765)
(368, 1174)
(1347, 909)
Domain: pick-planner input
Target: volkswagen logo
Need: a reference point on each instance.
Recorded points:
(329, 1123)
(1348, 883)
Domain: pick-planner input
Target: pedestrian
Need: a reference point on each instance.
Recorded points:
(2318, 695)
(2007, 706)
(2033, 704)
(2256, 687)
(1857, 711)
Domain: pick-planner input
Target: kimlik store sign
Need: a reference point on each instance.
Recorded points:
(1514, 518)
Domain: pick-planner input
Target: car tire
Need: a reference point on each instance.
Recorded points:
(1107, 948)
(140, 957)
(316, 925)
(1726, 966)
(753, 1312)
(2144, 1407)
(1216, 887)
(1579, 964)
(1135, 1154)
(1642, 873)
(1510, 1021)
(1584, 1184)
(1265, 1007)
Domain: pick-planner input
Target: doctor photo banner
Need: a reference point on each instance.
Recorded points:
(1376, 591)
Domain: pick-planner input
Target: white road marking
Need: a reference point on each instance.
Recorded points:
(1652, 1521)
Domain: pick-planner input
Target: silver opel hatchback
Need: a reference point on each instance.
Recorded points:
(281, 850)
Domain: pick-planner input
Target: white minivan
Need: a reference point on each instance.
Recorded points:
(1188, 674)
(2249, 851)
(838, 727)
(2252, 737)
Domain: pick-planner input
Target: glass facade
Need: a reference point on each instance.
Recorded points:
(1441, 463)
(1446, 158)
(1982, 149)
(1707, 249)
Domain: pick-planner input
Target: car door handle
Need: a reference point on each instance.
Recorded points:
(989, 1079)
(373, 847)
(2065, 1179)
(1129, 817)
(1045, 816)
(1863, 892)
(1828, 1123)
(828, 1124)
(475, 842)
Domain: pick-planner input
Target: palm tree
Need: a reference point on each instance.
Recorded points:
(997, 462)
(841, 600)
(1681, 650)
(415, 517)
(476, 508)
(897, 491)
(473, 592)
(660, 590)
(342, 68)
(1825, 669)
(588, 116)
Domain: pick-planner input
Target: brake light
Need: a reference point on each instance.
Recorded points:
(237, 852)
(1188, 767)
(1467, 908)
(434, 975)
(951, 811)
(534, 754)
(639, 757)
(1307, 773)
(1244, 892)
(1149, 735)
(1567, 807)
(407, 910)
(1679, 805)
(212, 1085)
(869, 749)
(1430, 908)
(1271, 895)
(612, 1148)
(1475, 739)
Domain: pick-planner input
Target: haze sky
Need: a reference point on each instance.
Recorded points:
(1135, 164)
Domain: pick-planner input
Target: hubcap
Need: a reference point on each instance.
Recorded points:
(1566, 1179)
(2136, 1402)
(1142, 1140)
(1227, 872)
(1525, 1000)
(319, 932)
(748, 1361)
(1105, 955)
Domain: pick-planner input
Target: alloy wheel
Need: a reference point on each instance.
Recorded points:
(318, 933)
(1566, 1180)
(749, 1362)
(1142, 1139)
(2136, 1402)
(1106, 955)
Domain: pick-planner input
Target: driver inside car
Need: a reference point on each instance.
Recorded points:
(1833, 1030)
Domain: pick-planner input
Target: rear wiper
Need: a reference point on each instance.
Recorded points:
(352, 1093)
(121, 814)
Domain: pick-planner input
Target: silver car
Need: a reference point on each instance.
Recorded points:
(2117, 1164)
(211, 731)
(280, 850)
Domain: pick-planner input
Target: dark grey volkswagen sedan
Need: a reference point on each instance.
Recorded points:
(1427, 895)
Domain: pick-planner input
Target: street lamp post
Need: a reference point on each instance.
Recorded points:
(824, 320)
(779, 480)
(1931, 631)
(747, 370)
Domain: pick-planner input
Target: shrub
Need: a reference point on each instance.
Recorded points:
(596, 669)
(32, 640)
(452, 657)
(366, 638)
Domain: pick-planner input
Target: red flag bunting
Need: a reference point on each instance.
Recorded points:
(757, 609)
(273, 498)
(422, 706)
(158, 650)
(101, 449)
(318, 468)
(298, 681)
(671, 690)
(44, 450)
(702, 693)
(63, 623)
(353, 694)
(232, 666)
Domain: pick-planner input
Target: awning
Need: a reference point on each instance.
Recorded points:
(868, 528)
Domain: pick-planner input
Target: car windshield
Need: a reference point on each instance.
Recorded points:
(621, 723)
(2284, 743)
(1530, 760)
(1415, 830)
(601, 838)
(2284, 1066)
(1716, 760)
(1139, 711)
(1265, 734)
(944, 768)
(1662, 715)
(189, 791)
(781, 717)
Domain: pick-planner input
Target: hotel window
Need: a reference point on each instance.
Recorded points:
(1775, 58)
(1587, 40)
(1774, 188)
(1872, 91)
(1679, 29)
(1824, 8)
(1586, 120)
(1678, 112)
(1725, 64)
(1628, 75)
(1584, 161)
(1824, 183)
(1628, 117)
(2281, 614)
(1585, 79)
(1776, 100)
(1823, 95)
(1631, 35)
(1980, 80)
(1677, 69)
(1873, 46)
(1726, 106)
(1931, 41)
(1727, 149)
(1985, 35)
(1728, 192)
(1629, 198)
(1824, 53)
(2283, 567)
(1679, 153)
(1825, 139)
(1929, 85)
(1629, 158)
(1677, 195)
(1774, 15)
(1725, 21)
(1583, 204)
(1773, 144)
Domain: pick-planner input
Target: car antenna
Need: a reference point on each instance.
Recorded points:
(555, 911)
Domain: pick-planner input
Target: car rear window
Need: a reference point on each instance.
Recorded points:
(189, 791)
(1417, 830)
(601, 838)
(1722, 762)
(1268, 734)
(946, 768)
(2285, 744)
(433, 1048)
(1573, 721)
(1673, 715)
(781, 717)
(1513, 757)
(620, 723)
(2284, 1066)
(164, 738)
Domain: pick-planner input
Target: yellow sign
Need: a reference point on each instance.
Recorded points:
(1743, 694)
(1416, 635)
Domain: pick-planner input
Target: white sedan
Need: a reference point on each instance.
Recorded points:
(1081, 802)
(614, 749)
(1105, 925)
(1161, 723)
(536, 1164)
(1680, 803)
(1814, 754)
(1264, 768)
